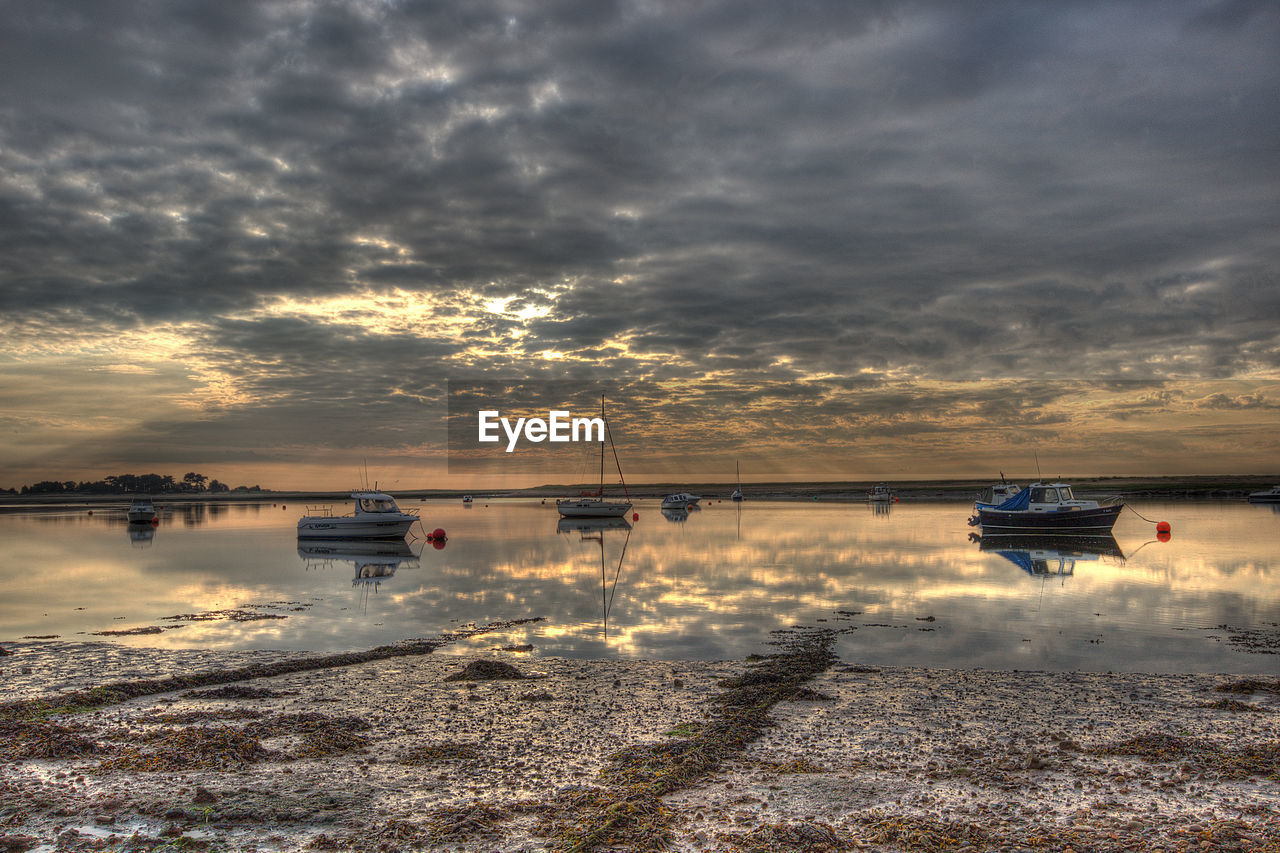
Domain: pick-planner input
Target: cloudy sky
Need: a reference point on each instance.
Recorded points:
(830, 239)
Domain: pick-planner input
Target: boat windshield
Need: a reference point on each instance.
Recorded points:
(1044, 496)
(378, 505)
(1065, 491)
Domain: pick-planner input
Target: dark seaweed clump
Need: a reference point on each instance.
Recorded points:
(487, 670)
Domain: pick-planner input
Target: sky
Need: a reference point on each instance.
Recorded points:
(822, 240)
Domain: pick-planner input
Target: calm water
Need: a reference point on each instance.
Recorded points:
(708, 587)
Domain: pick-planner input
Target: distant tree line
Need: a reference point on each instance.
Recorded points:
(155, 484)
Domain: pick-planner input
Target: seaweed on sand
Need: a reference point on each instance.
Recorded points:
(42, 739)
(1262, 759)
(195, 748)
(488, 670)
(1250, 685)
(322, 735)
(628, 811)
(805, 837)
(110, 694)
(465, 822)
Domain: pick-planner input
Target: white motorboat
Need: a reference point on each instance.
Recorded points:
(466, 499)
(376, 516)
(141, 511)
(680, 500)
(1270, 496)
(881, 493)
(593, 505)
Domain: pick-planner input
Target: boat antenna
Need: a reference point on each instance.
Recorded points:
(1039, 476)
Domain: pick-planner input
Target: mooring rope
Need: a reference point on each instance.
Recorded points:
(1138, 514)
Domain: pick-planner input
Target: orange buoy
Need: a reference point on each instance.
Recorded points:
(1163, 527)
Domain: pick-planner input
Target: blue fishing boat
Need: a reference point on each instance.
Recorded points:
(1050, 508)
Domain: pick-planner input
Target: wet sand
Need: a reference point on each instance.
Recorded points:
(390, 755)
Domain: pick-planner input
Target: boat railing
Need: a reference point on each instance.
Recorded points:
(1110, 500)
(323, 511)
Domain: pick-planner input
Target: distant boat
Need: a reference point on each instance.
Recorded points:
(141, 511)
(881, 493)
(1270, 496)
(466, 499)
(376, 516)
(1051, 508)
(680, 500)
(593, 505)
(737, 493)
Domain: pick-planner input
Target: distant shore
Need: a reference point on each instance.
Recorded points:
(1225, 487)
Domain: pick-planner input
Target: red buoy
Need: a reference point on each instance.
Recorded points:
(438, 535)
(635, 516)
(1163, 527)
(1163, 536)
(155, 522)
(438, 544)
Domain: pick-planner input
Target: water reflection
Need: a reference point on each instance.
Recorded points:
(593, 530)
(372, 561)
(711, 587)
(1040, 556)
(880, 508)
(678, 515)
(141, 534)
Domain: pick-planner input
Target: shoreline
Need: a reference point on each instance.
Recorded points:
(391, 755)
(1197, 488)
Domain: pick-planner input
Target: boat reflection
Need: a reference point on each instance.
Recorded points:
(881, 508)
(142, 534)
(373, 561)
(593, 530)
(678, 515)
(1042, 556)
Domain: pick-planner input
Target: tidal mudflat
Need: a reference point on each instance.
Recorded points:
(793, 750)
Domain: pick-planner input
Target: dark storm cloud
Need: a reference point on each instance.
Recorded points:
(921, 189)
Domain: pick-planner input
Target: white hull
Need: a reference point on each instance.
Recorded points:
(592, 509)
(141, 512)
(321, 527)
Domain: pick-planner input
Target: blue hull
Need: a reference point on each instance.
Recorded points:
(1081, 522)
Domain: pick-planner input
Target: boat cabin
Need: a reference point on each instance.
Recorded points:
(1057, 493)
(375, 502)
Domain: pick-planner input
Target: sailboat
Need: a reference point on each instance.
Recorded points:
(737, 493)
(594, 505)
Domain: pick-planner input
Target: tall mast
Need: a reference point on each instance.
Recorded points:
(600, 493)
